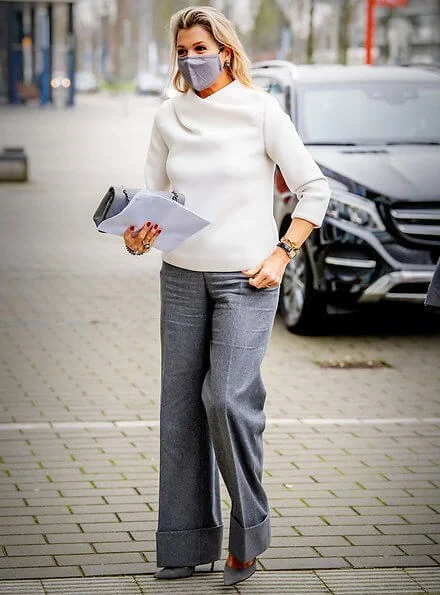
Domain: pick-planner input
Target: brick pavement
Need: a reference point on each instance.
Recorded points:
(351, 456)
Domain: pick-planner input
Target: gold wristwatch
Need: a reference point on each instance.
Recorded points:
(288, 246)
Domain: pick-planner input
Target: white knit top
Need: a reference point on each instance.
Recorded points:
(220, 152)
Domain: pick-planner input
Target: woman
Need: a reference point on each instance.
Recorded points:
(217, 142)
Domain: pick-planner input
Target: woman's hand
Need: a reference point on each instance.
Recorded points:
(147, 233)
(269, 272)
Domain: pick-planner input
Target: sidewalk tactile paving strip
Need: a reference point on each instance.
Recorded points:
(261, 582)
(126, 585)
(426, 578)
(208, 583)
(21, 587)
(371, 581)
(335, 582)
(284, 582)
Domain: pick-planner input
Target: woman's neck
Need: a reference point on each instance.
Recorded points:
(223, 79)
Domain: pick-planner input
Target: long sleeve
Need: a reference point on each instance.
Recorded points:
(301, 173)
(155, 166)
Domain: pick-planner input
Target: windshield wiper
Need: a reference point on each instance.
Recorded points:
(415, 142)
(331, 144)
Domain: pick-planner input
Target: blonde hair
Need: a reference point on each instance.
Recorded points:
(224, 33)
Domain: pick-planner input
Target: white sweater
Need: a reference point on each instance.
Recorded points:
(220, 152)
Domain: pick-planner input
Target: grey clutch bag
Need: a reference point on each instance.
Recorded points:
(117, 198)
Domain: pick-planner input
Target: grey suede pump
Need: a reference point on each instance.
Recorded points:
(232, 576)
(175, 572)
(170, 572)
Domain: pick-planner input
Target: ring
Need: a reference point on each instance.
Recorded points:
(146, 245)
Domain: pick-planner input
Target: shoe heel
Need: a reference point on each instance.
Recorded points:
(212, 566)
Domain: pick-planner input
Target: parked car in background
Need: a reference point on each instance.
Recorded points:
(85, 82)
(147, 83)
(375, 133)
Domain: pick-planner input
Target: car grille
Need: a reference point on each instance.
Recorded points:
(417, 223)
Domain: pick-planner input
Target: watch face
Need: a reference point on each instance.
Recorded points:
(287, 249)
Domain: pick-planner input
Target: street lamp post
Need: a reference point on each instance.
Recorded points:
(369, 34)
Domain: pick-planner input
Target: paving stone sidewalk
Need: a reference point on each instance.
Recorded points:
(351, 455)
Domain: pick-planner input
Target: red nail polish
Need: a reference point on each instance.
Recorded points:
(148, 223)
(131, 226)
(155, 226)
(160, 231)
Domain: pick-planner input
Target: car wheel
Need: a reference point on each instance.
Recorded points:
(302, 309)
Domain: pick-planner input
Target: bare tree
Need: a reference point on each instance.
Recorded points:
(310, 36)
(219, 4)
(243, 14)
(297, 13)
(93, 19)
(346, 12)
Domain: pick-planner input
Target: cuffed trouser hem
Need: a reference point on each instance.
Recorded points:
(247, 542)
(189, 548)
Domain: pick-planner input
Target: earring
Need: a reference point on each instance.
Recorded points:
(227, 64)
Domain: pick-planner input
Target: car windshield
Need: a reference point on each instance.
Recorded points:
(371, 113)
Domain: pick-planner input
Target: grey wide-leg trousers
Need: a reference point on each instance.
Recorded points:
(214, 328)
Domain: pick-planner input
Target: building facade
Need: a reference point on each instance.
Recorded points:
(410, 33)
(37, 42)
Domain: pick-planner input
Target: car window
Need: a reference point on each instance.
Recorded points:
(370, 112)
(262, 81)
(278, 92)
(273, 87)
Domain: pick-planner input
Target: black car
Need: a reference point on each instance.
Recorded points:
(375, 133)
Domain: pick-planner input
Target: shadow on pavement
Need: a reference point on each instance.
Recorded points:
(396, 319)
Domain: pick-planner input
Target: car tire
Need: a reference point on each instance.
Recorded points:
(301, 307)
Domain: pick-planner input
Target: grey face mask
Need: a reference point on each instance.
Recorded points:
(200, 71)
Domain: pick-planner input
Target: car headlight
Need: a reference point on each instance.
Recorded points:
(346, 206)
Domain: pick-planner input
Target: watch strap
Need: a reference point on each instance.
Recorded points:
(288, 249)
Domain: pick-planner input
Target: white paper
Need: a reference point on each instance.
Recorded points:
(176, 221)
